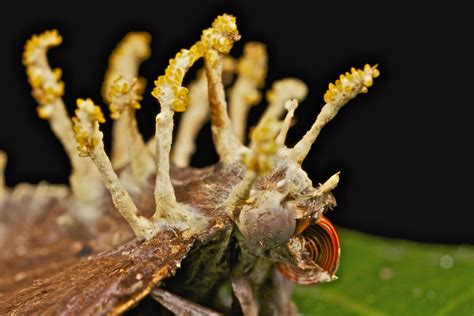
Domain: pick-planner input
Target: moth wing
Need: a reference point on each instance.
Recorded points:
(107, 283)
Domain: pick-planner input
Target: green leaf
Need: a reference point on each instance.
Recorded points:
(379, 276)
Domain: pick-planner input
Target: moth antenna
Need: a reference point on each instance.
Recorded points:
(89, 141)
(347, 87)
(125, 61)
(219, 39)
(172, 97)
(124, 99)
(252, 70)
(3, 163)
(290, 106)
(48, 89)
(282, 91)
(329, 185)
(259, 161)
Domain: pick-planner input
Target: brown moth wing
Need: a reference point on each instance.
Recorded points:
(35, 245)
(108, 283)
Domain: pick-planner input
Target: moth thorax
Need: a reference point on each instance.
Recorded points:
(267, 221)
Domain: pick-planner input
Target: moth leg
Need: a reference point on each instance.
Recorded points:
(243, 292)
(178, 305)
(278, 301)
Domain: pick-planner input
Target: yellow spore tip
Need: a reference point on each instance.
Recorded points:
(86, 126)
(46, 83)
(221, 37)
(350, 84)
(124, 94)
(263, 146)
(133, 49)
(136, 44)
(254, 63)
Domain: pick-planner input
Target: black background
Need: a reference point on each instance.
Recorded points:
(403, 148)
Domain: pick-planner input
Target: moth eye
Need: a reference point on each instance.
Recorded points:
(321, 250)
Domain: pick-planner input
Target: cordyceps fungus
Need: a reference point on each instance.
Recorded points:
(184, 233)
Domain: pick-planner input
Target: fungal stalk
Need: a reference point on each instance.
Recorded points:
(252, 69)
(48, 89)
(172, 97)
(290, 106)
(124, 97)
(89, 139)
(191, 121)
(347, 87)
(219, 40)
(124, 62)
(196, 116)
(258, 161)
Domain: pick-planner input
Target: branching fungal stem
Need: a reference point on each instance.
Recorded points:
(172, 97)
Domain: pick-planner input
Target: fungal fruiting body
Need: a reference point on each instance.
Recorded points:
(253, 220)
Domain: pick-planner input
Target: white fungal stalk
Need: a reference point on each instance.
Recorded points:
(47, 89)
(125, 62)
(346, 88)
(90, 144)
(252, 69)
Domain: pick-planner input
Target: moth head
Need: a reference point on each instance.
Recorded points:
(283, 219)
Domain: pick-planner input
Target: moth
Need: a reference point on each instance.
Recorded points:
(143, 232)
